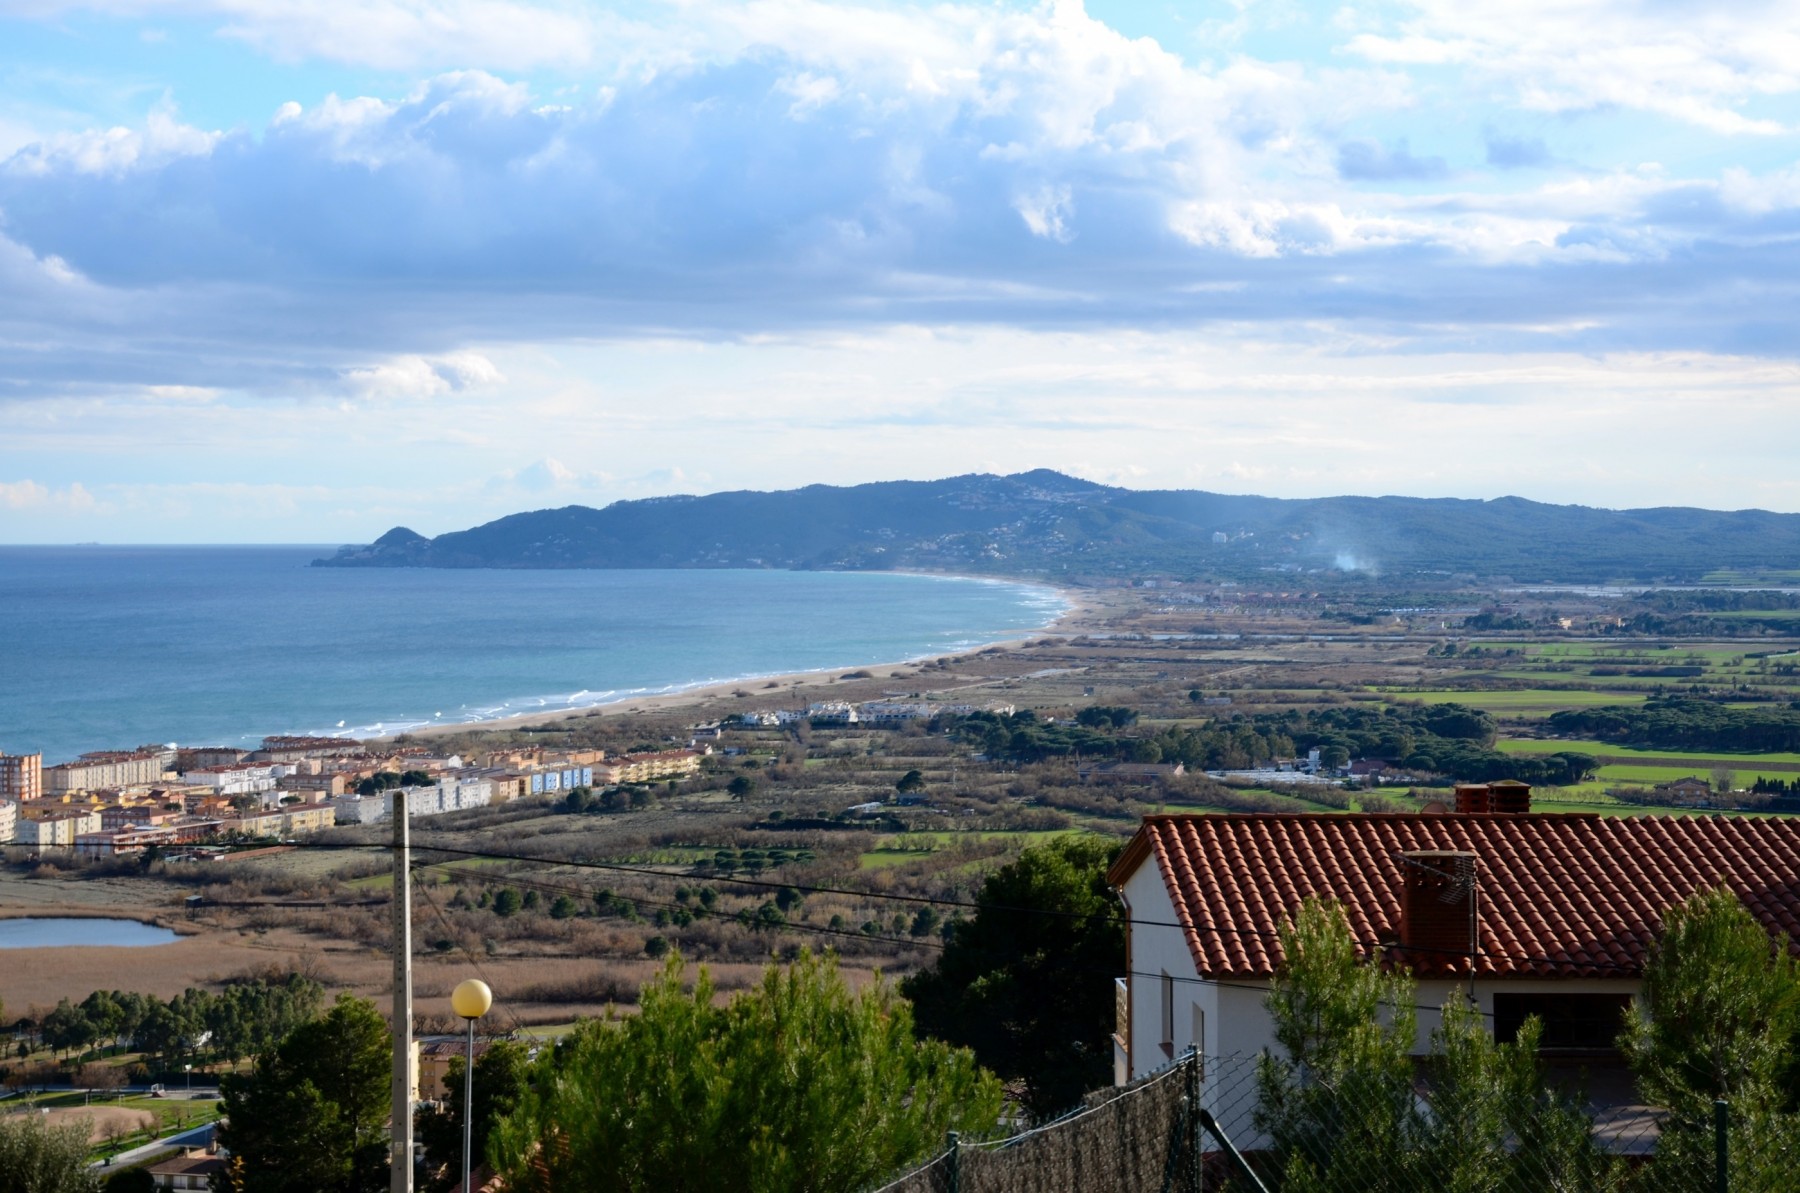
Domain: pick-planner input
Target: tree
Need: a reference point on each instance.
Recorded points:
(740, 787)
(910, 782)
(1720, 1010)
(130, 1180)
(797, 1084)
(562, 908)
(1340, 1106)
(310, 1117)
(502, 1073)
(1020, 981)
(98, 1075)
(67, 1029)
(507, 902)
(105, 1014)
(38, 1158)
(1719, 1017)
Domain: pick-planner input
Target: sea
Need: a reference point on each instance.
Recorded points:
(106, 647)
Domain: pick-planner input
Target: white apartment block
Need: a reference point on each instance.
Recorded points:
(106, 769)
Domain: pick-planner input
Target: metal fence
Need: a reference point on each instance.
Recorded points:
(1232, 1124)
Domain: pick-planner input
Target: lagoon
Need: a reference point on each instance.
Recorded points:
(47, 933)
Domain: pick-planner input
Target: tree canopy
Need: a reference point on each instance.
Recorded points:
(311, 1116)
(1024, 981)
(38, 1158)
(1341, 1107)
(796, 1084)
(502, 1073)
(1719, 1018)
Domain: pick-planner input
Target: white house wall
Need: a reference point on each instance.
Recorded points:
(1233, 1024)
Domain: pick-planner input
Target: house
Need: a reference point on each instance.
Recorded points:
(1528, 913)
(832, 712)
(1141, 773)
(191, 1171)
(431, 1065)
(1685, 791)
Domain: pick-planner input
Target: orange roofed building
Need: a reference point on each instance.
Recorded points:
(1545, 914)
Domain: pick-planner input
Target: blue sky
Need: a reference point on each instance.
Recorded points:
(279, 271)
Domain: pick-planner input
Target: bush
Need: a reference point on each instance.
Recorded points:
(797, 1084)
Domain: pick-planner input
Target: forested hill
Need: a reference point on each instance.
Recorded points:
(1046, 523)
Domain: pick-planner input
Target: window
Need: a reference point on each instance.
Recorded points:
(1579, 1021)
(1168, 1015)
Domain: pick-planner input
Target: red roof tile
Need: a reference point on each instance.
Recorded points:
(1559, 895)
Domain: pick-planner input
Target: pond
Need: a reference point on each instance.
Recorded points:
(48, 933)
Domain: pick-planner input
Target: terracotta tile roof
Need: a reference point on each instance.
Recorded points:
(1560, 895)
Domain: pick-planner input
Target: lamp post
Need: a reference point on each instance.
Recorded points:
(471, 999)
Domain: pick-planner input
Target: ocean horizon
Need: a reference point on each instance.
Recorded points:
(111, 647)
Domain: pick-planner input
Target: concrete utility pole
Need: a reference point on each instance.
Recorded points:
(401, 1155)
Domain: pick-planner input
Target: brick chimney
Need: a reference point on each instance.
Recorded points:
(1509, 795)
(1471, 797)
(1437, 907)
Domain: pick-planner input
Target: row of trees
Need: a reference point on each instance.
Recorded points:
(1685, 723)
(1443, 739)
(247, 1017)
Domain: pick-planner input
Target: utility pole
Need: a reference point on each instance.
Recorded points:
(401, 1154)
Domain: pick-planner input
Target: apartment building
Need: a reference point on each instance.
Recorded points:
(647, 768)
(104, 768)
(56, 829)
(21, 777)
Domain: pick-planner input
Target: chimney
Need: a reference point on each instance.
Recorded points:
(1510, 796)
(1437, 908)
(1471, 797)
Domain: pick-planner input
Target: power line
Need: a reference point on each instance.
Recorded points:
(936, 946)
(1598, 968)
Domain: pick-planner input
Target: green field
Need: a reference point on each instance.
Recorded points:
(1521, 700)
(1650, 776)
(1532, 745)
(912, 847)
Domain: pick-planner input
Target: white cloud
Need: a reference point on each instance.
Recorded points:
(1700, 64)
(753, 168)
(30, 495)
(116, 150)
(421, 377)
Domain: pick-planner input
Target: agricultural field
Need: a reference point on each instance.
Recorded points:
(1647, 759)
(1517, 702)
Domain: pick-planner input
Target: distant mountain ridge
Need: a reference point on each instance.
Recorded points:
(1044, 522)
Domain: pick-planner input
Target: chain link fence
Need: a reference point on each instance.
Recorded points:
(1240, 1124)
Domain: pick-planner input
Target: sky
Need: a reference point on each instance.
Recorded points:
(304, 270)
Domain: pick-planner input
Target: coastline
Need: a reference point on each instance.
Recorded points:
(1082, 607)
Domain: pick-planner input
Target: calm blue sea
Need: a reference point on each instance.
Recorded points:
(112, 647)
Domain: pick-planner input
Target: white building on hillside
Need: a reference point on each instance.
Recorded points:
(1532, 914)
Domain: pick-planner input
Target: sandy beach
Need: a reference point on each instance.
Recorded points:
(1086, 610)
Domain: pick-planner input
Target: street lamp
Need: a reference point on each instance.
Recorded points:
(471, 999)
